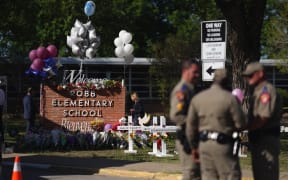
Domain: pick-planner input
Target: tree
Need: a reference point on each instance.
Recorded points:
(275, 34)
(245, 18)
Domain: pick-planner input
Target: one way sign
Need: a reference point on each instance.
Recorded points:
(208, 69)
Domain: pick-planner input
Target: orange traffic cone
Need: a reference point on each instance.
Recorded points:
(17, 174)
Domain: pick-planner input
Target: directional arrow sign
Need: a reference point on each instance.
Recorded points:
(208, 69)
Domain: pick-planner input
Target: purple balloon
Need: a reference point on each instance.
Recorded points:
(238, 93)
(42, 52)
(52, 50)
(107, 127)
(37, 64)
(33, 54)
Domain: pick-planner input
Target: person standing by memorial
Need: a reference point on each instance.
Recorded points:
(137, 109)
(29, 110)
(180, 98)
(264, 114)
(213, 115)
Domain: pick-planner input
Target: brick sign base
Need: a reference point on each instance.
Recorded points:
(75, 109)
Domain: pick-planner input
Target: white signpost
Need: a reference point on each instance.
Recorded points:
(213, 47)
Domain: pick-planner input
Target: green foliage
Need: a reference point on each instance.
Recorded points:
(284, 95)
(275, 35)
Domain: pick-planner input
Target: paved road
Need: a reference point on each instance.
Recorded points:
(30, 173)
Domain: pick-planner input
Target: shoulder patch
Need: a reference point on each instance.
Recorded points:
(265, 98)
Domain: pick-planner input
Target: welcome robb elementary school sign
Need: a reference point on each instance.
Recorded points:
(75, 108)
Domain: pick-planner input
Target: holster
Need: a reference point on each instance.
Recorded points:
(180, 134)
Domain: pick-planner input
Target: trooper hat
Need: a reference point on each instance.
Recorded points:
(251, 68)
(220, 75)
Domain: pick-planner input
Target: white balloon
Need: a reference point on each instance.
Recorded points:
(68, 41)
(119, 52)
(75, 39)
(129, 59)
(122, 32)
(74, 31)
(88, 25)
(128, 49)
(126, 38)
(89, 53)
(77, 23)
(118, 42)
(92, 34)
(75, 49)
(82, 32)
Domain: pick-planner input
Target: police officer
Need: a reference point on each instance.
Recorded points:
(264, 113)
(179, 102)
(213, 115)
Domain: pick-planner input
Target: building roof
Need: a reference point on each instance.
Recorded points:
(105, 61)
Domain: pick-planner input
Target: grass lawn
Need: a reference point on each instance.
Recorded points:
(13, 122)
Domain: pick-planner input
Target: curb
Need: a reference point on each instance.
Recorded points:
(139, 174)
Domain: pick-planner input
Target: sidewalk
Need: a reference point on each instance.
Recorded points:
(104, 166)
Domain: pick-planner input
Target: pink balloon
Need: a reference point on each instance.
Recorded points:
(37, 64)
(107, 127)
(238, 93)
(33, 54)
(42, 53)
(52, 50)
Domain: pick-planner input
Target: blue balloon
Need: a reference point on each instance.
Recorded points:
(89, 8)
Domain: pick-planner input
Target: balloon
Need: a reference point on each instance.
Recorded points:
(77, 24)
(238, 93)
(118, 42)
(88, 25)
(37, 64)
(75, 49)
(82, 32)
(107, 127)
(69, 41)
(33, 54)
(126, 37)
(121, 33)
(119, 52)
(128, 49)
(89, 53)
(74, 31)
(89, 8)
(129, 59)
(52, 50)
(92, 34)
(83, 40)
(42, 53)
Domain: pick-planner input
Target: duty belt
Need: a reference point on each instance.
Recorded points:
(221, 138)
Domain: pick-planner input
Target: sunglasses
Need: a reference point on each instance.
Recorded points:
(250, 75)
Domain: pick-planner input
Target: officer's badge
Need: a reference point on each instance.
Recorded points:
(180, 106)
(265, 98)
(180, 95)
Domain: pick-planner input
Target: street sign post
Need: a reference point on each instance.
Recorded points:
(213, 40)
(213, 47)
(208, 69)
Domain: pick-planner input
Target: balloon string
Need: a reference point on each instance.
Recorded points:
(81, 66)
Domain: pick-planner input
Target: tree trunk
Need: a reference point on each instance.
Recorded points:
(245, 19)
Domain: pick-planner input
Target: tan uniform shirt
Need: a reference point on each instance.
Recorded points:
(215, 109)
(179, 101)
(266, 104)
